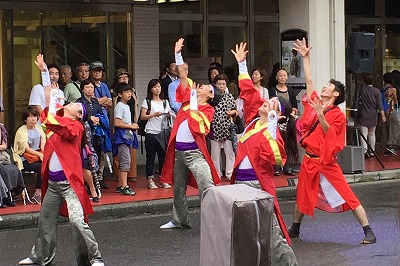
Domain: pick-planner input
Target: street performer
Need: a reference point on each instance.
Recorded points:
(260, 148)
(321, 182)
(187, 160)
(63, 188)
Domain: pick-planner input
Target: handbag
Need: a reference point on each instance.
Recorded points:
(31, 158)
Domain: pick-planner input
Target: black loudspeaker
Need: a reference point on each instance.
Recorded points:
(360, 52)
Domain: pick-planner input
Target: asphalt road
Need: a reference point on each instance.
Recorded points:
(329, 239)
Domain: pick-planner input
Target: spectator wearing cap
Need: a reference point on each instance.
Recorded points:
(101, 90)
(172, 74)
(122, 76)
(103, 95)
(72, 90)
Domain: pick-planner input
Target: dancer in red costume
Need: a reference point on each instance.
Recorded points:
(323, 129)
(62, 188)
(187, 160)
(261, 147)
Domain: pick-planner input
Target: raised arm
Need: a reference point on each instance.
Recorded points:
(304, 51)
(43, 70)
(250, 95)
(182, 67)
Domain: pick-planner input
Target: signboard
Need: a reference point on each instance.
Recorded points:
(290, 59)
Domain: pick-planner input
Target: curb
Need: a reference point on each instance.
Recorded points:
(112, 211)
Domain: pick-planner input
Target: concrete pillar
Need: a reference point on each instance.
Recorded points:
(145, 53)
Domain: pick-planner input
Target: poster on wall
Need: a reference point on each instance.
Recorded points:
(290, 59)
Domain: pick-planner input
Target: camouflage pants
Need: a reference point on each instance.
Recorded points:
(44, 250)
(281, 252)
(185, 161)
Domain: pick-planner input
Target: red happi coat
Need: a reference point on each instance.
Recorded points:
(325, 146)
(199, 125)
(259, 146)
(64, 136)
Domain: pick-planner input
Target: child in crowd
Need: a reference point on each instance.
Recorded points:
(124, 137)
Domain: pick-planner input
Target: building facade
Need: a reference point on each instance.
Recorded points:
(139, 36)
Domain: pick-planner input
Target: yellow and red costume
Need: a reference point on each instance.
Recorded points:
(199, 125)
(64, 137)
(321, 149)
(257, 143)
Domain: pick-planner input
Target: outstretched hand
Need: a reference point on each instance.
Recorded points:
(40, 63)
(179, 45)
(240, 52)
(301, 47)
(317, 106)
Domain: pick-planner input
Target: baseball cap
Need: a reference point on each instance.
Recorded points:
(96, 64)
(121, 71)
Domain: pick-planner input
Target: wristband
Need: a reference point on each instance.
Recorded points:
(272, 123)
(53, 101)
(178, 59)
(45, 78)
(193, 100)
(243, 67)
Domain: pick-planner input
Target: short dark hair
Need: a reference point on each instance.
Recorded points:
(28, 111)
(339, 87)
(388, 78)
(121, 87)
(53, 66)
(87, 82)
(168, 63)
(368, 79)
(81, 64)
(221, 77)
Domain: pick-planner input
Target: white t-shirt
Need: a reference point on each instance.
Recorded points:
(184, 134)
(37, 96)
(156, 124)
(123, 112)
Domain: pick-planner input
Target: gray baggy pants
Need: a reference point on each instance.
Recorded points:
(44, 250)
(185, 161)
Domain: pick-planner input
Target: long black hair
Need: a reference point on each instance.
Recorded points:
(152, 83)
(289, 135)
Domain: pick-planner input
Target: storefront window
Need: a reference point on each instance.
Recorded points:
(184, 7)
(171, 30)
(360, 7)
(266, 45)
(262, 7)
(66, 38)
(392, 58)
(225, 7)
(221, 39)
(392, 8)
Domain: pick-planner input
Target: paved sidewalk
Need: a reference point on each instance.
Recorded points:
(15, 221)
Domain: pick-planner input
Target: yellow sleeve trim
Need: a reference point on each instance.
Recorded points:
(51, 120)
(200, 120)
(274, 146)
(244, 76)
